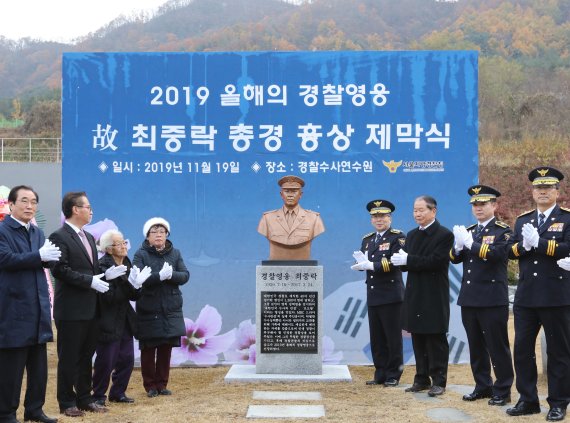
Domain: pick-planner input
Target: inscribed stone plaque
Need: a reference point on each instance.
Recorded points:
(289, 319)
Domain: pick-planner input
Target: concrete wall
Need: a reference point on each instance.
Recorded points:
(45, 178)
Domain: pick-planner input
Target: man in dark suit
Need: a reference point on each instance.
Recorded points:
(76, 306)
(25, 316)
(542, 236)
(425, 311)
(384, 293)
(484, 300)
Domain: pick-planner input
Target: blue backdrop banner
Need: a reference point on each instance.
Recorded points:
(201, 139)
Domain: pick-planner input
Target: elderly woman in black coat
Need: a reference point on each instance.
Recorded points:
(159, 307)
(117, 324)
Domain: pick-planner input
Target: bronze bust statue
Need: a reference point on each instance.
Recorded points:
(290, 229)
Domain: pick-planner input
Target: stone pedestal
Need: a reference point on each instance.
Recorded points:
(289, 317)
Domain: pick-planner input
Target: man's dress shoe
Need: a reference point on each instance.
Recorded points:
(93, 407)
(390, 383)
(524, 408)
(41, 417)
(474, 396)
(416, 387)
(374, 382)
(71, 412)
(500, 401)
(555, 414)
(125, 399)
(435, 390)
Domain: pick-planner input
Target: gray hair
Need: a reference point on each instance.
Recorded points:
(106, 239)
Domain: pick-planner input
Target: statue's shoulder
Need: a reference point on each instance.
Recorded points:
(312, 212)
(270, 212)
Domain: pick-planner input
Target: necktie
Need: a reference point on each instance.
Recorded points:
(86, 245)
(377, 239)
(290, 218)
(478, 230)
(541, 218)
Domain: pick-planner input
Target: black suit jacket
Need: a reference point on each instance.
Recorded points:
(74, 297)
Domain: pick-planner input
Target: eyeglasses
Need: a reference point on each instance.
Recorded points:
(157, 231)
(85, 207)
(28, 202)
(119, 244)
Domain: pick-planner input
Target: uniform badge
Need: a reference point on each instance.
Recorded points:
(507, 237)
(489, 239)
(402, 241)
(383, 247)
(556, 227)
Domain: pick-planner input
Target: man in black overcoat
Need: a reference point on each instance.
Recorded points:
(425, 311)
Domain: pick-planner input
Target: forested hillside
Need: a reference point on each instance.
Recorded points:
(524, 67)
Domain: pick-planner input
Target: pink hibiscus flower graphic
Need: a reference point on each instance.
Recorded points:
(202, 344)
(243, 348)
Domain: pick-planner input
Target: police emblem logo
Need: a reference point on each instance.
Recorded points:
(542, 172)
(402, 241)
(477, 190)
(378, 203)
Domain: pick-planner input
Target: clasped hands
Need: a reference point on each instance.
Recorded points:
(49, 251)
(362, 263)
(463, 238)
(137, 277)
(530, 236)
(112, 272)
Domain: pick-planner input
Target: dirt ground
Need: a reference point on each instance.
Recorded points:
(201, 395)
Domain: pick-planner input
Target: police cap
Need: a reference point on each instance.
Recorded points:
(291, 181)
(380, 207)
(545, 175)
(482, 193)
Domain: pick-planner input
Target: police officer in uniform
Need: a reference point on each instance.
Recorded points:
(542, 236)
(385, 293)
(483, 250)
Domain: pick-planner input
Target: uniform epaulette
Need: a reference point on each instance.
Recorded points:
(471, 227)
(367, 235)
(567, 210)
(395, 231)
(525, 213)
(270, 211)
(501, 224)
(314, 212)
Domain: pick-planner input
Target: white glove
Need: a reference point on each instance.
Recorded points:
(133, 276)
(400, 258)
(359, 256)
(115, 271)
(165, 272)
(138, 277)
(530, 236)
(467, 238)
(98, 285)
(363, 265)
(458, 237)
(564, 263)
(49, 252)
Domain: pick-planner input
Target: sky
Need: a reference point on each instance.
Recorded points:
(64, 20)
